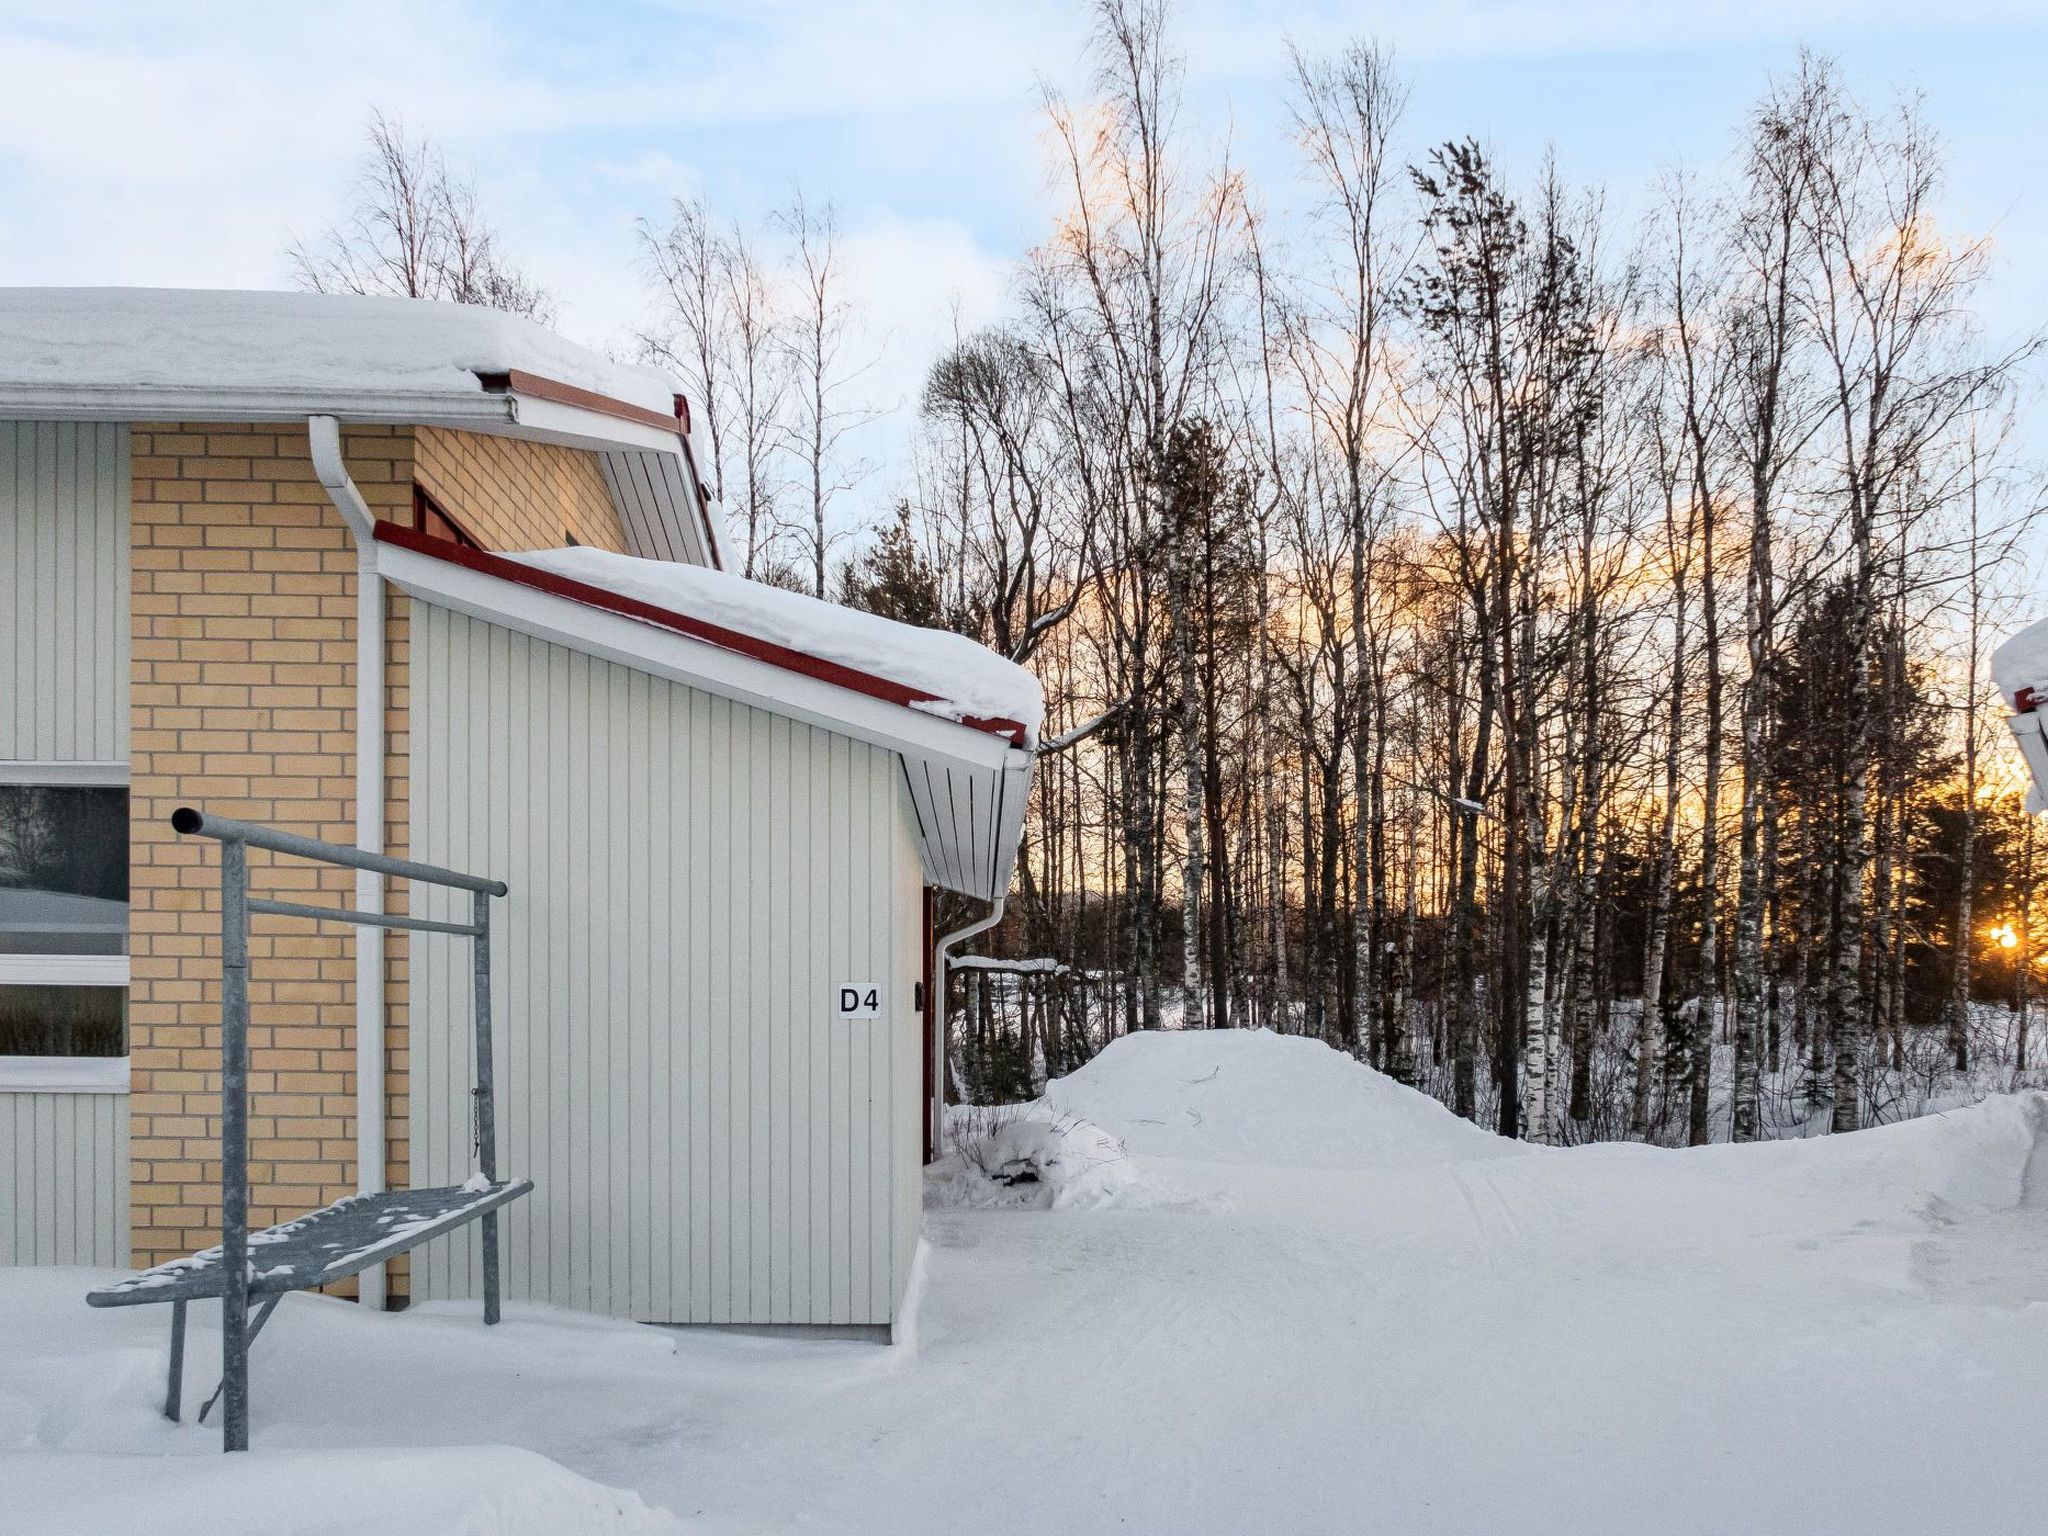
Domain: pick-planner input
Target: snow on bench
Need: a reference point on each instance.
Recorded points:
(322, 1246)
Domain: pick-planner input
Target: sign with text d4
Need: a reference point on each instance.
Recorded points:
(859, 1000)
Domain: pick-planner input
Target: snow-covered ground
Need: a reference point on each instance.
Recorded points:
(1311, 1301)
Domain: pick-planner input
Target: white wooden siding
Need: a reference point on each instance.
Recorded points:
(64, 605)
(63, 591)
(690, 879)
(64, 1178)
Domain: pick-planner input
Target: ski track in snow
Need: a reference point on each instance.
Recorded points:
(1394, 1322)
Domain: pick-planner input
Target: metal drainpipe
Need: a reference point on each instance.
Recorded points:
(324, 435)
(938, 1105)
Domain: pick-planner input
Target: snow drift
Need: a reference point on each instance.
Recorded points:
(968, 679)
(1251, 1096)
(467, 1491)
(1988, 1158)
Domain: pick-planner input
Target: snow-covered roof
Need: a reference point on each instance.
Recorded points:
(342, 345)
(964, 680)
(192, 354)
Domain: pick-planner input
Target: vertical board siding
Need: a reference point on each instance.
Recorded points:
(64, 1178)
(690, 880)
(63, 591)
(64, 603)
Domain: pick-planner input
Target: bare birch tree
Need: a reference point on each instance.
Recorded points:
(414, 229)
(817, 336)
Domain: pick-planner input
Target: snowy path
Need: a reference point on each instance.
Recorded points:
(1448, 1334)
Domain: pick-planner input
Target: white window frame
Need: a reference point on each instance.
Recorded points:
(16, 770)
(65, 1074)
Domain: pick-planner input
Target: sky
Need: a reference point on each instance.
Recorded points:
(183, 144)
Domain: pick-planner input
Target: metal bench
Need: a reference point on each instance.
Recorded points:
(353, 1233)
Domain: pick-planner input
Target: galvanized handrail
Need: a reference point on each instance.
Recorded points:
(194, 822)
(358, 919)
(236, 838)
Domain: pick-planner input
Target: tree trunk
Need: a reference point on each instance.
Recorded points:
(1468, 966)
(1643, 1118)
(1193, 1002)
(1847, 1017)
(1966, 852)
(1700, 1058)
(2025, 952)
(1745, 1095)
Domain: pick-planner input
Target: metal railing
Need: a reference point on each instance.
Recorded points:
(236, 838)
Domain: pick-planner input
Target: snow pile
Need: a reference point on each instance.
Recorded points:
(317, 344)
(1985, 1159)
(965, 678)
(1026, 1156)
(1251, 1096)
(463, 1491)
(1223, 1096)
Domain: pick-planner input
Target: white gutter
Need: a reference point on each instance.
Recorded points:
(460, 409)
(937, 1108)
(324, 434)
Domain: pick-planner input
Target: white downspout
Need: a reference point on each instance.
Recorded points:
(937, 1108)
(324, 434)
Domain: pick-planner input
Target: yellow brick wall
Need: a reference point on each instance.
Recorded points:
(243, 701)
(511, 494)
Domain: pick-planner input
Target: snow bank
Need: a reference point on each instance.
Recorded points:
(393, 1423)
(969, 678)
(1024, 1156)
(342, 344)
(1987, 1158)
(467, 1491)
(1251, 1096)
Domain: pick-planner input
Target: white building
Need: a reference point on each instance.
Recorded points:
(254, 543)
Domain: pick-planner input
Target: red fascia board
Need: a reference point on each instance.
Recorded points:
(835, 673)
(516, 381)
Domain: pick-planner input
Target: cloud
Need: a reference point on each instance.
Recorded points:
(1231, 38)
(143, 141)
(654, 168)
(915, 280)
(913, 285)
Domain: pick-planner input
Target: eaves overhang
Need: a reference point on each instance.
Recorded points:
(646, 458)
(967, 781)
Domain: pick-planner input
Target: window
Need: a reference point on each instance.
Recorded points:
(63, 912)
(434, 520)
